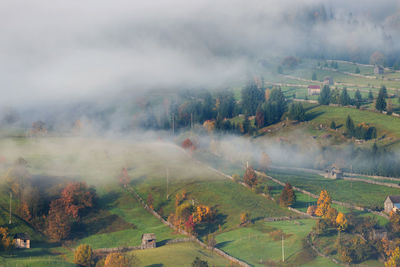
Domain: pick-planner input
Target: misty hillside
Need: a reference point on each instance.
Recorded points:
(209, 133)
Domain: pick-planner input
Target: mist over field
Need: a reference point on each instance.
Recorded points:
(98, 51)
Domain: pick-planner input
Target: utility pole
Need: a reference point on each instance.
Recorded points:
(167, 183)
(283, 249)
(9, 222)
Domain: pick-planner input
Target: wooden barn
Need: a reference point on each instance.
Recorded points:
(378, 69)
(148, 240)
(22, 240)
(392, 203)
(334, 172)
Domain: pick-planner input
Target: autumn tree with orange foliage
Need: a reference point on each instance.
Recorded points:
(250, 177)
(5, 240)
(23, 211)
(331, 215)
(150, 200)
(77, 196)
(121, 260)
(58, 221)
(209, 125)
(188, 145)
(180, 197)
(244, 218)
(202, 213)
(323, 204)
(124, 178)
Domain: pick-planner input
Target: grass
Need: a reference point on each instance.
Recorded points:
(261, 243)
(180, 254)
(385, 124)
(358, 193)
(137, 220)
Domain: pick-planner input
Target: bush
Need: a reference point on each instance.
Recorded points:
(83, 255)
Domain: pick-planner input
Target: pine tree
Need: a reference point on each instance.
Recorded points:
(344, 97)
(370, 95)
(324, 97)
(349, 126)
(380, 104)
(314, 76)
(357, 70)
(333, 125)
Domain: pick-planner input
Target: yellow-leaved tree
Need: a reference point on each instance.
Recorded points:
(394, 259)
(323, 204)
(341, 222)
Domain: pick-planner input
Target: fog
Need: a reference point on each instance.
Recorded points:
(54, 53)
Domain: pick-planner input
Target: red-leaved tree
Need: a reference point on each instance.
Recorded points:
(77, 196)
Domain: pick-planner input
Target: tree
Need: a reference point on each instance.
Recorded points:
(297, 112)
(260, 122)
(5, 240)
(331, 215)
(344, 97)
(77, 196)
(333, 125)
(287, 197)
(314, 76)
(120, 260)
(83, 255)
(323, 204)
(370, 95)
(250, 177)
(358, 98)
(246, 125)
(199, 263)
(349, 125)
(58, 221)
(150, 200)
(394, 260)
(187, 144)
(124, 178)
(357, 70)
(380, 104)
(376, 58)
(341, 222)
(244, 218)
(211, 242)
(252, 97)
(324, 97)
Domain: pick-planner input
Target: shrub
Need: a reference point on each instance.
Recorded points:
(83, 255)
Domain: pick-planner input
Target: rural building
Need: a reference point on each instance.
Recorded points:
(149, 240)
(377, 234)
(314, 90)
(392, 203)
(328, 81)
(334, 172)
(378, 69)
(22, 240)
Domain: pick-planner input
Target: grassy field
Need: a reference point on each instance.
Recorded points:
(261, 243)
(385, 124)
(358, 193)
(181, 254)
(133, 222)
